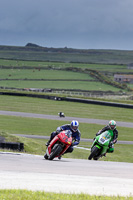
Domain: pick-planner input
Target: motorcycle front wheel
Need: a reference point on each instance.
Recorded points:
(94, 152)
(55, 151)
(46, 156)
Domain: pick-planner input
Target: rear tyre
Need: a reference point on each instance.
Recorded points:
(55, 152)
(95, 158)
(94, 152)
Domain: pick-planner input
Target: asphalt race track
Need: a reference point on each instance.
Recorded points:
(25, 171)
(56, 117)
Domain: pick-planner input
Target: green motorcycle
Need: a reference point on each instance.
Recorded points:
(100, 145)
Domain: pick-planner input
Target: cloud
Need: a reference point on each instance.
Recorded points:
(72, 23)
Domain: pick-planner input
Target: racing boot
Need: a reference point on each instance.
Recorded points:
(48, 142)
(59, 157)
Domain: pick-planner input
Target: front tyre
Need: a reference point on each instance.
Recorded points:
(94, 152)
(55, 152)
(46, 156)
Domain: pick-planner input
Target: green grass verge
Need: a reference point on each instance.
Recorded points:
(36, 195)
(71, 109)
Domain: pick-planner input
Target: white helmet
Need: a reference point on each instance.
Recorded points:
(74, 125)
(112, 124)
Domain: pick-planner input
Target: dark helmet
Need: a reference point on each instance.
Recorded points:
(112, 124)
(74, 125)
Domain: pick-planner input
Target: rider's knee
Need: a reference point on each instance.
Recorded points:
(69, 150)
(110, 150)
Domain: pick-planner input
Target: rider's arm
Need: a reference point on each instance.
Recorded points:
(75, 143)
(115, 136)
(59, 129)
(63, 127)
(102, 130)
(77, 139)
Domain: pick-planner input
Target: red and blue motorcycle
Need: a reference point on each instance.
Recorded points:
(59, 144)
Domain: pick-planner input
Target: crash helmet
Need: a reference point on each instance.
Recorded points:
(74, 125)
(112, 124)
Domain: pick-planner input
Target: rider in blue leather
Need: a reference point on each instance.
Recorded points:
(73, 127)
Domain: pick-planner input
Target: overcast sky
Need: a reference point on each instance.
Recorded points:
(80, 24)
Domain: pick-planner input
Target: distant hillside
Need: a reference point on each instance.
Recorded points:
(35, 52)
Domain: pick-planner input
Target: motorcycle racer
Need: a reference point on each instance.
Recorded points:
(112, 126)
(73, 127)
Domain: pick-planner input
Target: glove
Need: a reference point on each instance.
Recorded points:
(58, 130)
(98, 133)
(114, 141)
(75, 143)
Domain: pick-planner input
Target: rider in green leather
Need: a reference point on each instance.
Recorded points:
(112, 126)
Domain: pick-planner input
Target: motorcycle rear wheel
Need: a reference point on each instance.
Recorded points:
(55, 151)
(94, 152)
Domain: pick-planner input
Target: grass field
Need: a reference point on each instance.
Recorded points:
(74, 85)
(55, 79)
(66, 55)
(31, 195)
(36, 72)
(38, 64)
(42, 74)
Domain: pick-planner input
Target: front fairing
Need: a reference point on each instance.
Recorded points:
(104, 138)
(64, 138)
(102, 141)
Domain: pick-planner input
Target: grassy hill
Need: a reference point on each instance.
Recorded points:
(68, 55)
